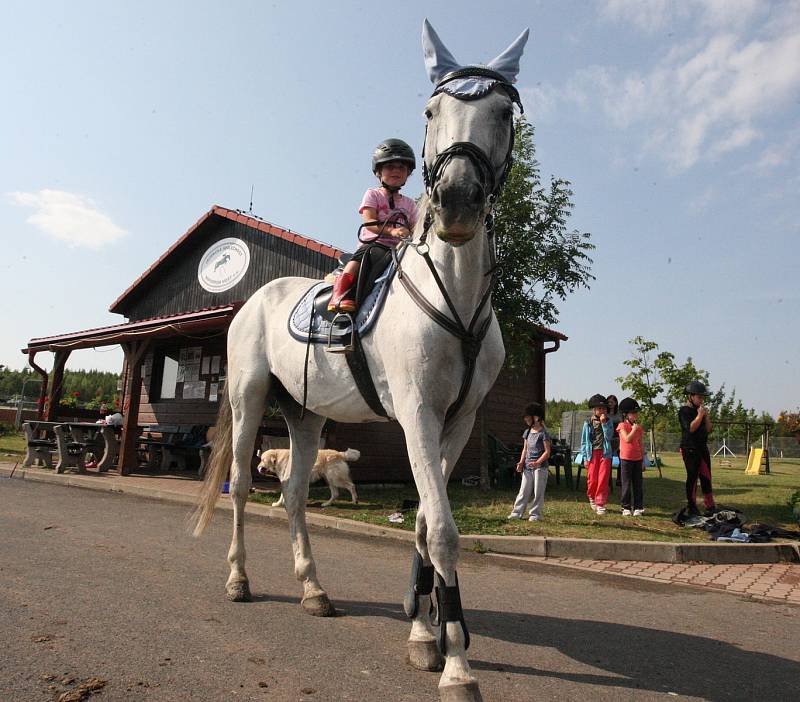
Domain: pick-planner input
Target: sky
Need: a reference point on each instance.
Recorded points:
(676, 123)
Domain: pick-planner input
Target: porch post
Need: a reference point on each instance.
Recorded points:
(43, 389)
(56, 385)
(134, 354)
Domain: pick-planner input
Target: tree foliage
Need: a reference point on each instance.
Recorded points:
(541, 260)
(83, 388)
(658, 382)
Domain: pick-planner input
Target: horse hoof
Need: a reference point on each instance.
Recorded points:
(318, 606)
(424, 655)
(460, 692)
(239, 592)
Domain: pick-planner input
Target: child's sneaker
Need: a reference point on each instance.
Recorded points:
(600, 509)
(513, 516)
(592, 504)
(626, 513)
(638, 512)
(533, 518)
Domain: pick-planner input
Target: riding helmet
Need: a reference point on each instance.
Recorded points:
(628, 404)
(696, 388)
(598, 401)
(535, 410)
(393, 150)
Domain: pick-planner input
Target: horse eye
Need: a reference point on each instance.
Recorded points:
(428, 114)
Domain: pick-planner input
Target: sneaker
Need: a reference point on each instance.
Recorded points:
(600, 509)
(533, 518)
(592, 504)
(513, 516)
(693, 511)
(637, 512)
(626, 513)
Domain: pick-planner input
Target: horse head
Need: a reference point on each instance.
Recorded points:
(469, 137)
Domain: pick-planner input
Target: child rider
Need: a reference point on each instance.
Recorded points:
(387, 216)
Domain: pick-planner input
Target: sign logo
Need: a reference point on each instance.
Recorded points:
(223, 265)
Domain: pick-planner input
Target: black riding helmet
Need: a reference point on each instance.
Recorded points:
(535, 410)
(597, 401)
(696, 388)
(393, 150)
(628, 404)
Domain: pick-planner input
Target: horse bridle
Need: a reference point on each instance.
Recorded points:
(472, 335)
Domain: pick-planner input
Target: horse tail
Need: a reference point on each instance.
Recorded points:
(220, 463)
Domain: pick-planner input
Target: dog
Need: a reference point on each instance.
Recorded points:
(330, 465)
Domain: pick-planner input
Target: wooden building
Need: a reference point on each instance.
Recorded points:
(178, 312)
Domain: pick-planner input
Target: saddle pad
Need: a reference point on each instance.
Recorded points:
(365, 316)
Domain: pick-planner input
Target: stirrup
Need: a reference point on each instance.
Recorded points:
(343, 348)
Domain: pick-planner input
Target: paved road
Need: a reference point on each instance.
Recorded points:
(110, 586)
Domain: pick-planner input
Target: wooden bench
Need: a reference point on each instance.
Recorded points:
(40, 443)
(172, 444)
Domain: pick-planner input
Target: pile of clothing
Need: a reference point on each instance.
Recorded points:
(729, 525)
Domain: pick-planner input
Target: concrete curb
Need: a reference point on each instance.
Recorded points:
(543, 547)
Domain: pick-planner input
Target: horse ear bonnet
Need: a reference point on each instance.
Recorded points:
(473, 81)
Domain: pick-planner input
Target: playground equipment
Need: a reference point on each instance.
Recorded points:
(756, 461)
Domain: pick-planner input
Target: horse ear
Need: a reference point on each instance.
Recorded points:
(438, 60)
(507, 63)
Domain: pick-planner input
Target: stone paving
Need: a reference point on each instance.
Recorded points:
(773, 582)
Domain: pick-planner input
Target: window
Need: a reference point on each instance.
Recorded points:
(169, 376)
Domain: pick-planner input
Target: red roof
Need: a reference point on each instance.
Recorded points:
(195, 321)
(550, 333)
(248, 220)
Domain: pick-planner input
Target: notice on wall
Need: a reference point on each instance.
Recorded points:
(212, 392)
(194, 390)
(205, 365)
(215, 365)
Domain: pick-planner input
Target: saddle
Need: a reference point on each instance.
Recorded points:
(310, 321)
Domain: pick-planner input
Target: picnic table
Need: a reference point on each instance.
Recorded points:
(71, 443)
(172, 443)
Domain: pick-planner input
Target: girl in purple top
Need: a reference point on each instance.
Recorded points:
(387, 217)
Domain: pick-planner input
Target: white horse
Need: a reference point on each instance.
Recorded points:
(419, 367)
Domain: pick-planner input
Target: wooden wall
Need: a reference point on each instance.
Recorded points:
(174, 287)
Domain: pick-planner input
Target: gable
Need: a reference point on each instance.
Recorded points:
(172, 285)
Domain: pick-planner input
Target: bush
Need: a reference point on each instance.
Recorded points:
(6, 429)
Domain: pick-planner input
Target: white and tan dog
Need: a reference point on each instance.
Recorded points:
(330, 465)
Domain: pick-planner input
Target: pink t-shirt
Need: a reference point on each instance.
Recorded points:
(630, 451)
(376, 199)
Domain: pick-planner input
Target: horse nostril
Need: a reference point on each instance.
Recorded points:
(475, 195)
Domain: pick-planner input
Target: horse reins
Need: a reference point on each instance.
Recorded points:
(471, 337)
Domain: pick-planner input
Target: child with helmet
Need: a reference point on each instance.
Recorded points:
(596, 437)
(533, 464)
(631, 457)
(387, 217)
(695, 428)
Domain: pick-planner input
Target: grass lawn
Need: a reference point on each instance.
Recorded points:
(566, 513)
(12, 446)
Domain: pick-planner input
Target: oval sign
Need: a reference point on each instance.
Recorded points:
(223, 265)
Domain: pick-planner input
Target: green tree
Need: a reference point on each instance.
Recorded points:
(541, 261)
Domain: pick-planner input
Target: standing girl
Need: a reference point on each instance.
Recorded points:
(631, 455)
(695, 428)
(532, 464)
(596, 449)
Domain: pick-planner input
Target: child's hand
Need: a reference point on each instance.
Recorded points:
(520, 466)
(399, 232)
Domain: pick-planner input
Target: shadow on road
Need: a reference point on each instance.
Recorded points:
(632, 656)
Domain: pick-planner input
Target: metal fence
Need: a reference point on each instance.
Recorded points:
(779, 446)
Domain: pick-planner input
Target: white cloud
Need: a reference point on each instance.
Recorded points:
(73, 219)
(654, 15)
(706, 96)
